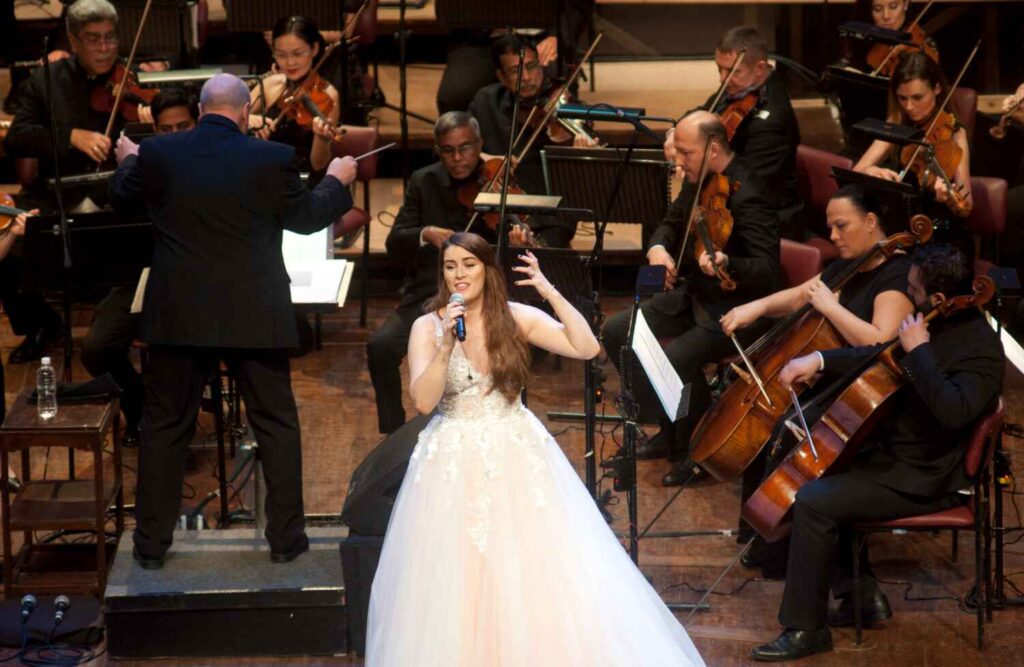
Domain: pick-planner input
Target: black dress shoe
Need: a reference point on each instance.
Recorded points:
(656, 447)
(872, 610)
(131, 438)
(147, 562)
(31, 348)
(793, 645)
(300, 547)
(682, 472)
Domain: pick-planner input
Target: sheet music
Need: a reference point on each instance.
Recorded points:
(663, 377)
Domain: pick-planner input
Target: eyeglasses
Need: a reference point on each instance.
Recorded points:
(529, 68)
(461, 149)
(94, 41)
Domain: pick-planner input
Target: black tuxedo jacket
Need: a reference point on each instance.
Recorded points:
(951, 381)
(219, 201)
(430, 200)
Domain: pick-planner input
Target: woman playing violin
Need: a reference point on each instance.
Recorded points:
(915, 93)
(297, 46)
(890, 15)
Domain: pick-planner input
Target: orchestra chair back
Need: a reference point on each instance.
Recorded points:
(355, 142)
(964, 105)
(974, 515)
(988, 218)
(816, 186)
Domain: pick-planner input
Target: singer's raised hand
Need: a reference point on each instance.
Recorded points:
(534, 276)
(453, 311)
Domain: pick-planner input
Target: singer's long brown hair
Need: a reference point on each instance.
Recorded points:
(506, 349)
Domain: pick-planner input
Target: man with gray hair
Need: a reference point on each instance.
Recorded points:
(430, 213)
(81, 145)
(218, 290)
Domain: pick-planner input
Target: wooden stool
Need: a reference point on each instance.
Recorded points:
(60, 504)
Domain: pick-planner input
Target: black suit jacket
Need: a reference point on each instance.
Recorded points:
(950, 382)
(430, 200)
(753, 247)
(219, 201)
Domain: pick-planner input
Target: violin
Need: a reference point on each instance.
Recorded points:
(308, 100)
(8, 212)
(998, 131)
(737, 110)
(883, 58)
(738, 426)
(104, 99)
(842, 430)
(489, 176)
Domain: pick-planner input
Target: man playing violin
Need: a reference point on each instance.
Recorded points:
(81, 145)
(430, 213)
(492, 107)
(953, 370)
(762, 124)
(690, 310)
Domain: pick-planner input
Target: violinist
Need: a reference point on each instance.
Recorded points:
(82, 144)
(297, 47)
(916, 91)
(913, 464)
(492, 107)
(691, 309)
(891, 15)
(868, 310)
(764, 132)
(430, 213)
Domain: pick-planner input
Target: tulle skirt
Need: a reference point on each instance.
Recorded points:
(496, 556)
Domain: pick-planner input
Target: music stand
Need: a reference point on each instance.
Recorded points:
(900, 201)
(577, 173)
(858, 96)
(171, 28)
(104, 251)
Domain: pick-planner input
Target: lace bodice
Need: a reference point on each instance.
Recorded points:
(466, 393)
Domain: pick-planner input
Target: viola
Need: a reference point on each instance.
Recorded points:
(489, 176)
(713, 224)
(947, 155)
(738, 426)
(842, 429)
(883, 58)
(104, 98)
(736, 111)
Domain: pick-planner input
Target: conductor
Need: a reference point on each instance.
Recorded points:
(218, 290)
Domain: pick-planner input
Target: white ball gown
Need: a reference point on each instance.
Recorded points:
(496, 556)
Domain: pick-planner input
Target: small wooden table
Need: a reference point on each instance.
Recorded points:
(64, 504)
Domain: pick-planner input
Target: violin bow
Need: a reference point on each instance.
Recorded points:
(127, 69)
(728, 79)
(893, 50)
(938, 109)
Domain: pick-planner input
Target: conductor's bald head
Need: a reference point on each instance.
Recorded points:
(226, 95)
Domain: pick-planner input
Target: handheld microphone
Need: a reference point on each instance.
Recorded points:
(62, 603)
(460, 321)
(28, 603)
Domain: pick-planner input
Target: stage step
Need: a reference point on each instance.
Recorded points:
(219, 595)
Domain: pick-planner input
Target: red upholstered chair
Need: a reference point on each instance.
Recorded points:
(800, 262)
(816, 186)
(988, 216)
(964, 105)
(973, 515)
(357, 141)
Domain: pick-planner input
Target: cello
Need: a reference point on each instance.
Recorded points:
(737, 427)
(837, 436)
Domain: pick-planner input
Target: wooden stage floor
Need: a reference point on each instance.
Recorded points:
(338, 419)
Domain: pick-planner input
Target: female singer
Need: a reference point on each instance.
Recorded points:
(495, 553)
(915, 91)
(297, 46)
(867, 310)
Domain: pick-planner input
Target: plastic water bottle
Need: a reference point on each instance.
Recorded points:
(46, 390)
